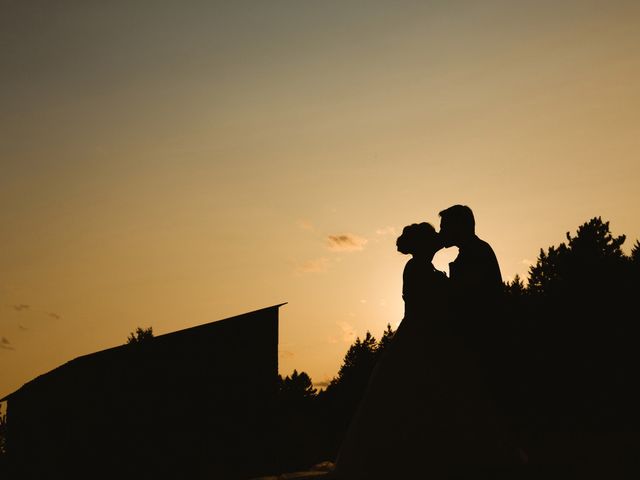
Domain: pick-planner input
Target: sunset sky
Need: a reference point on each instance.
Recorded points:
(168, 164)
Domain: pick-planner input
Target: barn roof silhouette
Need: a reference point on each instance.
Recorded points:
(171, 339)
(196, 401)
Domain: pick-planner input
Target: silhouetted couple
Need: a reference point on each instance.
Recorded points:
(428, 411)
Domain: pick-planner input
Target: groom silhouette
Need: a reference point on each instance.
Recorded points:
(476, 290)
(476, 301)
(476, 267)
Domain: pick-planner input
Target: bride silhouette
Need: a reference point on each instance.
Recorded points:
(426, 411)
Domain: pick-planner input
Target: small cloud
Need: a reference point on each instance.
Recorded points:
(54, 315)
(23, 328)
(527, 262)
(363, 300)
(316, 265)
(306, 225)
(286, 354)
(386, 231)
(20, 307)
(323, 383)
(346, 242)
(348, 332)
(6, 344)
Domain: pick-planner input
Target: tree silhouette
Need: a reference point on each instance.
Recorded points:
(5, 471)
(574, 330)
(140, 335)
(516, 287)
(3, 434)
(594, 241)
(385, 340)
(296, 387)
(359, 359)
(588, 259)
(338, 402)
(548, 270)
(354, 373)
(298, 422)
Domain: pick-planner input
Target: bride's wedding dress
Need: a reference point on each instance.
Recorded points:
(426, 412)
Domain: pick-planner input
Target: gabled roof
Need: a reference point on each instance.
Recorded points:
(103, 355)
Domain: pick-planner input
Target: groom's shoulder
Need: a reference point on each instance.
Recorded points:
(480, 243)
(484, 247)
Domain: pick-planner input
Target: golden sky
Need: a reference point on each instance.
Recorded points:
(168, 164)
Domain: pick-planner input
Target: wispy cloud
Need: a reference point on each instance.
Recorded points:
(23, 328)
(346, 242)
(386, 231)
(316, 265)
(527, 262)
(286, 354)
(306, 225)
(6, 344)
(347, 333)
(23, 307)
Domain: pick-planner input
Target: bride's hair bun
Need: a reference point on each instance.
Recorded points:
(416, 237)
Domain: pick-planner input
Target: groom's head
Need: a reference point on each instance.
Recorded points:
(456, 224)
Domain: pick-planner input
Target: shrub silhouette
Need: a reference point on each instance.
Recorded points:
(140, 335)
